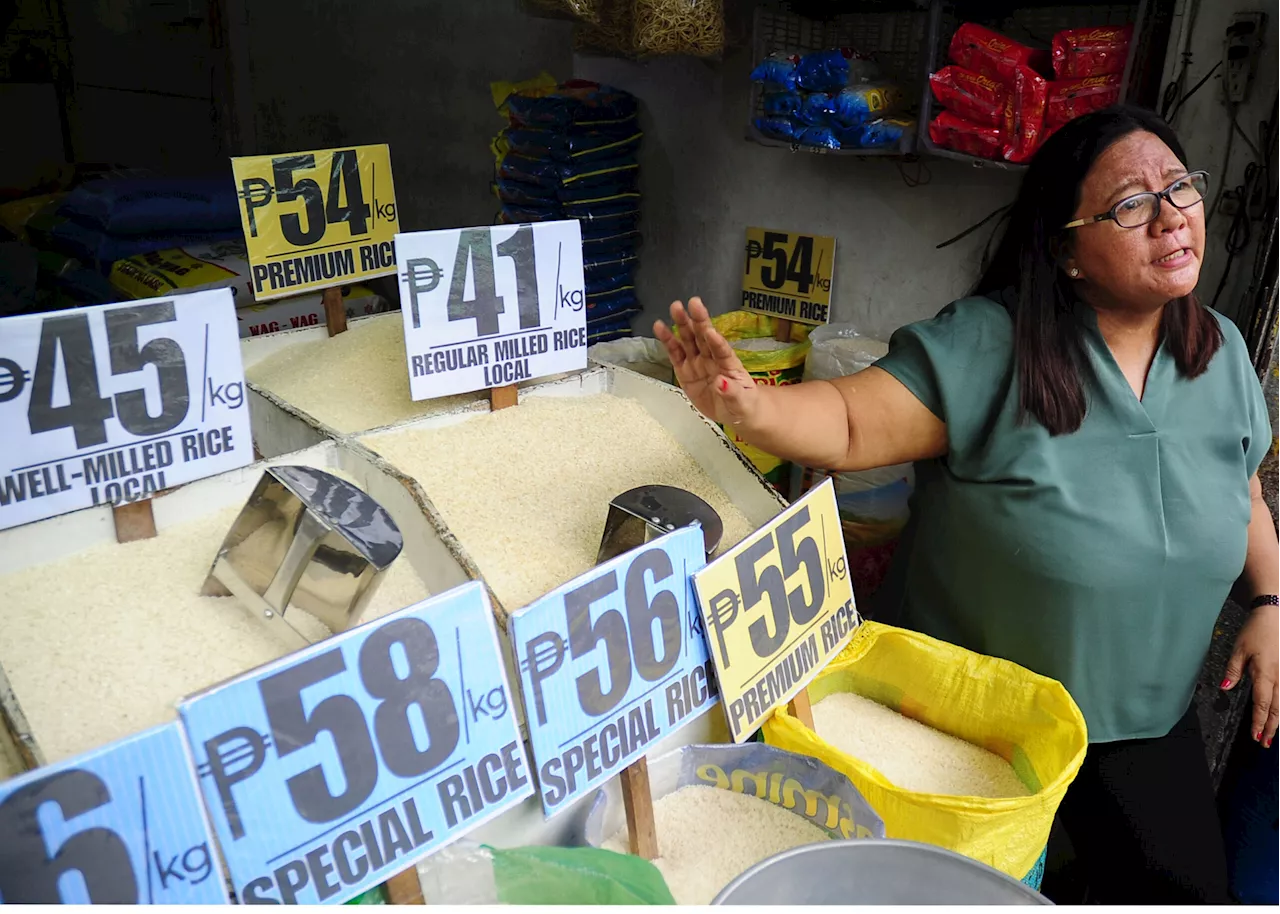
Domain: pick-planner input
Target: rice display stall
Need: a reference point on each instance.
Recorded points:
(515, 508)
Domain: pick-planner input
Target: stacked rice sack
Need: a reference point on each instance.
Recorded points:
(570, 152)
(832, 99)
(999, 103)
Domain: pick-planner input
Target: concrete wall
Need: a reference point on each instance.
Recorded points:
(704, 184)
(410, 73)
(1203, 125)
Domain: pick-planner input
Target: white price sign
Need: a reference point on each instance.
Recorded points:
(491, 306)
(113, 403)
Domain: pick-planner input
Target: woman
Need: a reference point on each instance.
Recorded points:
(1087, 439)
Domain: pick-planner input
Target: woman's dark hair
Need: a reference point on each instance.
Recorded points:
(1048, 345)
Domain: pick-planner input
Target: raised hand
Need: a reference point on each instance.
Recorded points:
(708, 370)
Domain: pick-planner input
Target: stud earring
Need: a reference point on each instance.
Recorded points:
(1075, 272)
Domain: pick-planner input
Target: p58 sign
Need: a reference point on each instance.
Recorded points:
(126, 819)
(491, 306)
(777, 607)
(114, 403)
(611, 663)
(317, 219)
(342, 764)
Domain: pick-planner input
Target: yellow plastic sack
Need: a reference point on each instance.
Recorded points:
(1027, 719)
(774, 367)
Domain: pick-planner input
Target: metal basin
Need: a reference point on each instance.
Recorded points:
(874, 871)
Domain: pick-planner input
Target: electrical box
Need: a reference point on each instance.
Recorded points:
(1244, 47)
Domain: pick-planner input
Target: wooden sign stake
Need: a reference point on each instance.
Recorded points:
(503, 397)
(800, 709)
(335, 313)
(642, 832)
(405, 888)
(782, 330)
(134, 521)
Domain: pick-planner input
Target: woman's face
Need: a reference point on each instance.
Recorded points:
(1139, 268)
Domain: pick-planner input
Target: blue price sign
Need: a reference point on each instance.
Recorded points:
(125, 819)
(612, 662)
(342, 764)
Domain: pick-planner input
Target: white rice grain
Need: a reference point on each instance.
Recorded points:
(526, 490)
(354, 381)
(103, 643)
(911, 755)
(707, 837)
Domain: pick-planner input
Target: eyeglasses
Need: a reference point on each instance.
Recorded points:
(1138, 210)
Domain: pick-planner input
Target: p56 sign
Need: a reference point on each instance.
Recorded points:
(491, 306)
(126, 819)
(317, 219)
(777, 607)
(114, 403)
(611, 663)
(340, 765)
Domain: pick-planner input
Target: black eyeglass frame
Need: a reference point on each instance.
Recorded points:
(1161, 196)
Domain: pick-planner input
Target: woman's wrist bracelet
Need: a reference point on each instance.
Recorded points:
(1268, 599)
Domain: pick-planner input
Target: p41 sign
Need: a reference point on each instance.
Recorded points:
(111, 404)
(491, 306)
(344, 763)
(126, 819)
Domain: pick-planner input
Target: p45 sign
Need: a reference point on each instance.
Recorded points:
(611, 663)
(125, 819)
(491, 306)
(340, 765)
(777, 607)
(113, 403)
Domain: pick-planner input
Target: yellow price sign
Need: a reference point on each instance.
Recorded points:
(788, 275)
(776, 608)
(317, 219)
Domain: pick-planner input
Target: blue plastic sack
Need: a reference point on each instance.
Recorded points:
(516, 213)
(605, 282)
(577, 104)
(148, 206)
(550, 173)
(833, 69)
(602, 204)
(779, 128)
(613, 304)
(605, 227)
(610, 329)
(887, 131)
(817, 110)
(783, 104)
(570, 147)
(859, 104)
(606, 265)
(777, 70)
(623, 243)
(822, 137)
(98, 249)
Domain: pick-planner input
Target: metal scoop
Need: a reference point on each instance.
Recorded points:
(309, 540)
(643, 514)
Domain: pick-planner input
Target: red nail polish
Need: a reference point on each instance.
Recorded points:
(724, 384)
(1257, 736)
(1226, 684)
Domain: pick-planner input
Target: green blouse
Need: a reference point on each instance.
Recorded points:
(1100, 558)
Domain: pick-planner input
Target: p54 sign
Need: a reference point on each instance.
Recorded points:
(113, 403)
(777, 607)
(788, 275)
(340, 765)
(317, 219)
(126, 819)
(611, 663)
(491, 306)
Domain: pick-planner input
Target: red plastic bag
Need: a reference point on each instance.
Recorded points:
(1024, 114)
(1070, 98)
(1078, 53)
(971, 95)
(991, 54)
(951, 131)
